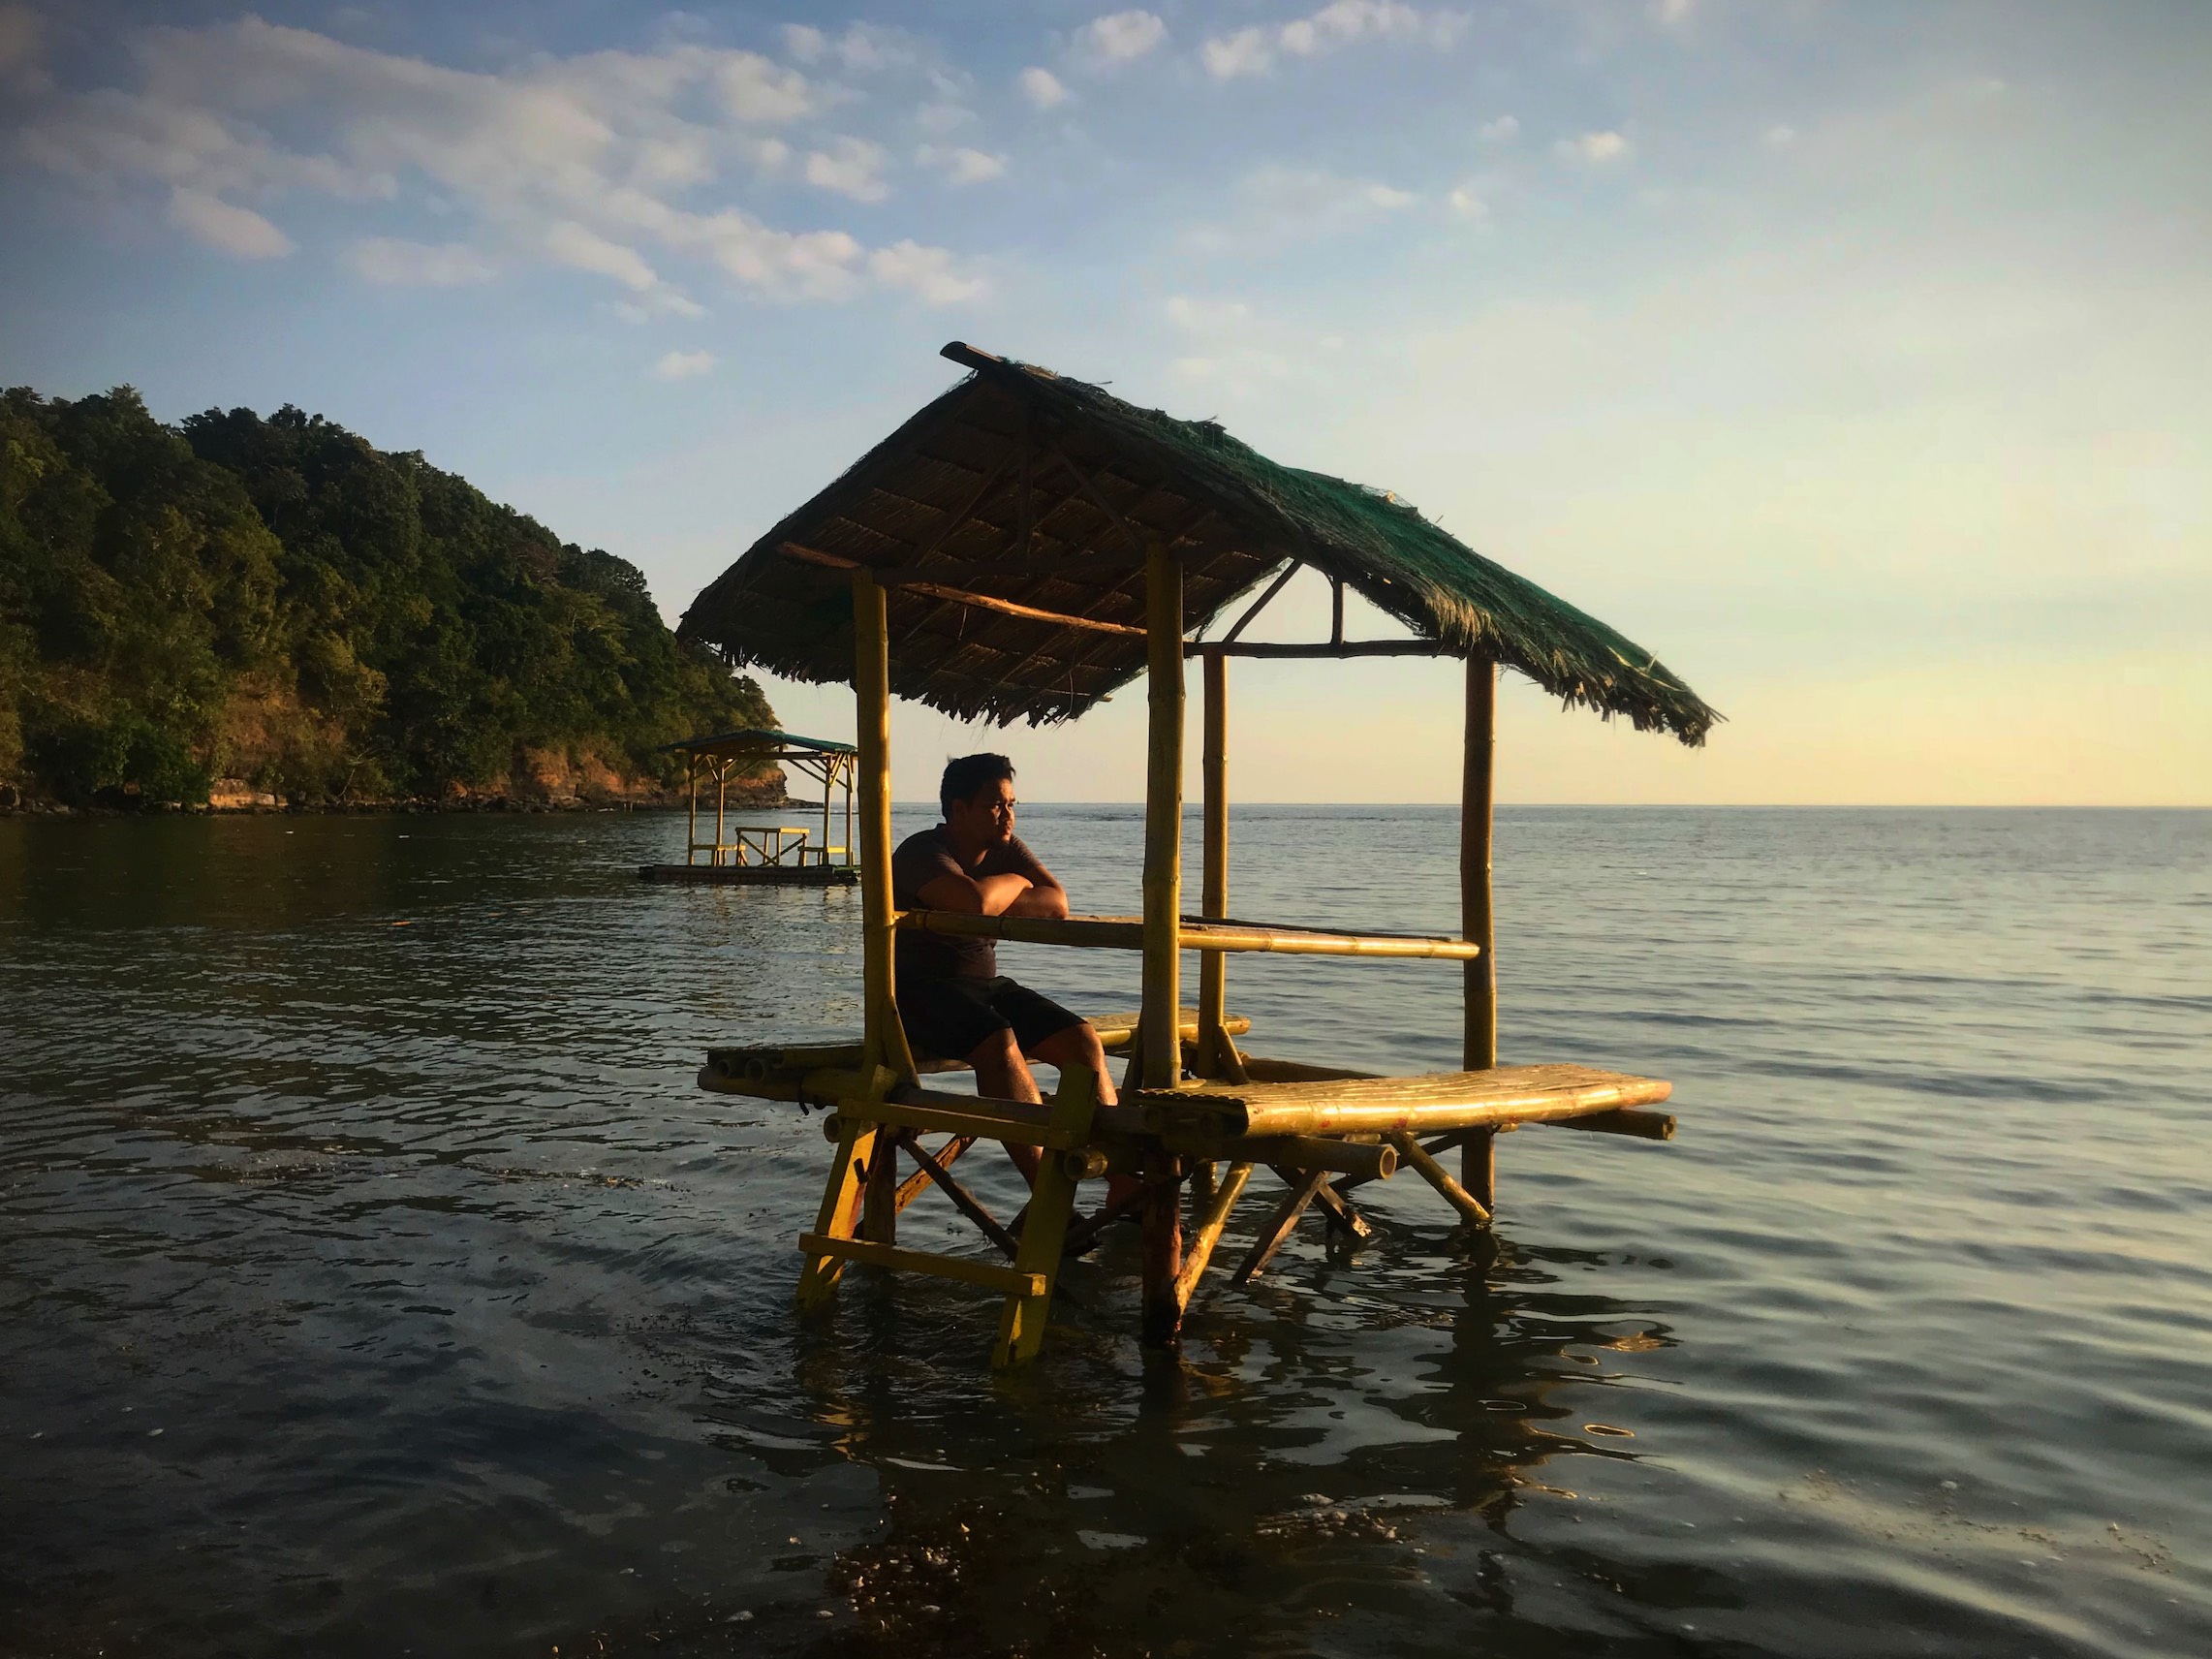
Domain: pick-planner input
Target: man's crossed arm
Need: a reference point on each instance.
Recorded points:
(1030, 890)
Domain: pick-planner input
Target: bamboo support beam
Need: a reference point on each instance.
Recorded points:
(1261, 604)
(1625, 1121)
(1209, 1230)
(1369, 1160)
(919, 1183)
(1163, 882)
(1013, 1282)
(964, 1201)
(958, 595)
(1278, 1226)
(1329, 648)
(1342, 1214)
(1470, 1210)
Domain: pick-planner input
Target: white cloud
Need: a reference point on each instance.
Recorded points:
(1206, 316)
(1780, 137)
(224, 226)
(593, 162)
(930, 273)
(944, 117)
(1119, 37)
(851, 167)
(1337, 26)
(1503, 131)
(1245, 52)
(1594, 149)
(1673, 13)
(1468, 204)
(1042, 88)
(1282, 205)
(683, 365)
(573, 244)
(963, 166)
(401, 264)
(864, 48)
(754, 89)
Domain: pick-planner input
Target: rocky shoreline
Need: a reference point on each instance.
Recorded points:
(235, 796)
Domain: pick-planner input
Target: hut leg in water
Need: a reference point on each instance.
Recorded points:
(1162, 1254)
(840, 1211)
(879, 1210)
(1044, 1223)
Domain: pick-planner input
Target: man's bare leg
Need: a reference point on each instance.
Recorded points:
(1002, 1074)
(1078, 1048)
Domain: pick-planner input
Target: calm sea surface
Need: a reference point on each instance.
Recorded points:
(373, 1279)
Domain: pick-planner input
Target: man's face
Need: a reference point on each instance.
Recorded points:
(987, 817)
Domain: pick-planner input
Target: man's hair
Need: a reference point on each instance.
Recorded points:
(965, 776)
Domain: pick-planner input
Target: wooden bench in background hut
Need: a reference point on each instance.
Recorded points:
(1020, 548)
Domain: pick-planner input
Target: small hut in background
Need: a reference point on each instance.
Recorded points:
(759, 849)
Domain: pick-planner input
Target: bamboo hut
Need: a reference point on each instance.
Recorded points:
(1018, 549)
(761, 850)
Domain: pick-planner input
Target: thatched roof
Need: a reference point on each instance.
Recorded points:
(1039, 489)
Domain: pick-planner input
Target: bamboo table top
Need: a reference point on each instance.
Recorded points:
(1427, 1102)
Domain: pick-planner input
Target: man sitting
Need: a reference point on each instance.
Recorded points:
(953, 1000)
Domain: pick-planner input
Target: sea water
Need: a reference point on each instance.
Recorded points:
(374, 1278)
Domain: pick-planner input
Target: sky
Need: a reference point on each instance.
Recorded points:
(1854, 358)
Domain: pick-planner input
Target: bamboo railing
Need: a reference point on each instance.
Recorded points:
(1200, 933)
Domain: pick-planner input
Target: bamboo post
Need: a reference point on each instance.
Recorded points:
(850, 855)
(1162, 1251)
(1163, 815)
(1044, 1227)
(1217, 1055)
(721, 790)
(828, 780)
(882, 1041)
(1478, 922)
(841, 1200)
(691, 789)
(879, 1207)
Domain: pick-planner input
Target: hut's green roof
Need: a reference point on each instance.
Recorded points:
(1056, 483)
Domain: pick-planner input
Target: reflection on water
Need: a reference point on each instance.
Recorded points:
(374, 1279)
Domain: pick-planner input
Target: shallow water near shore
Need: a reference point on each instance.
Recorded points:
(374, 1279)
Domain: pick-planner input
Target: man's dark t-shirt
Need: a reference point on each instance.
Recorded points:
(920, 860)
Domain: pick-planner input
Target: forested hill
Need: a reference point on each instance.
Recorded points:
(275, 601)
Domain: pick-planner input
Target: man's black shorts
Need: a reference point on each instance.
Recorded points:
(947, 1019)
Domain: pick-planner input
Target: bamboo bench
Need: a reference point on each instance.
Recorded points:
(1321, 1131)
